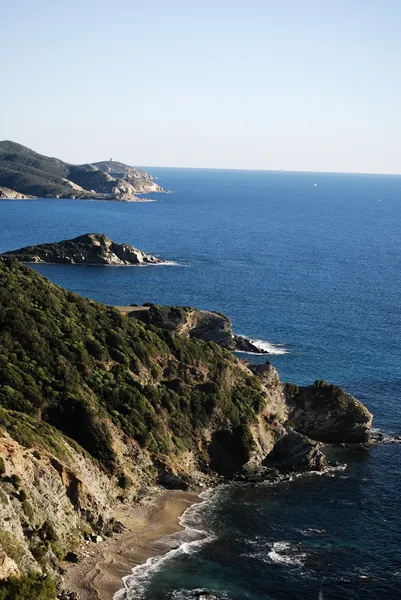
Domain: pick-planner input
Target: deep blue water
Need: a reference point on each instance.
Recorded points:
(315, 271)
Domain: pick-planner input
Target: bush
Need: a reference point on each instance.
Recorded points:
(15, 480)
(47, 532)
(2, 466)
(33, 586)
(28, 510)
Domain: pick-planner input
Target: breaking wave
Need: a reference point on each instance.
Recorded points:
(265, 346)
(182, 542)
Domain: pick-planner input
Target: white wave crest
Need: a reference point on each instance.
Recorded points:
(286, 553)
(385, 437)
(266, 346)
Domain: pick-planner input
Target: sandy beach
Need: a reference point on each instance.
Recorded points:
(101, 567)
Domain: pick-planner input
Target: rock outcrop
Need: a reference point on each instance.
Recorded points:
(296, 452)
(7, 194)
(205, 325)
(89, 249)
(327, 413)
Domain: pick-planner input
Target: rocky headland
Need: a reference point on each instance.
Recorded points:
(205, 325)
(26, 173)
(99, 411)
(7, 194)
(88, 249)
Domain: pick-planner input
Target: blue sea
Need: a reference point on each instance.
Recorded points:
(310, 265)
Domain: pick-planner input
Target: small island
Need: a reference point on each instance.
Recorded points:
(88, 249)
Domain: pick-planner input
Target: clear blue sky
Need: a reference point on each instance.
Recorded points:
(254, 84)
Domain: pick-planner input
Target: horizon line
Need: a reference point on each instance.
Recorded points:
(268, 170)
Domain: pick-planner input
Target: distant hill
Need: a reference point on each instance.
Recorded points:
(25, 171)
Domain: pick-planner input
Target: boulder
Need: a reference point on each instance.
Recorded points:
(8, 567)
(296, 452)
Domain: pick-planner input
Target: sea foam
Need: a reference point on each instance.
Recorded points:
(265, 346)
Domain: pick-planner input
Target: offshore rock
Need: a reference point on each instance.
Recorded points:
(296, 452)
(327, 413)
(90, 249)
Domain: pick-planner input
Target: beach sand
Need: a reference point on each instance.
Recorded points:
(99, 572)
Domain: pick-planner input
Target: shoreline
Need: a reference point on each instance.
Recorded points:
(101, 568)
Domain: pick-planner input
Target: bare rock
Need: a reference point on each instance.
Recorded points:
(327, 413)
(90, 249)
(296, 452)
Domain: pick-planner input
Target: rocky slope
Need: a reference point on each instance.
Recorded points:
(96, 408)
(7, 194)
(24, 171)
(205, 325)
(89, 249)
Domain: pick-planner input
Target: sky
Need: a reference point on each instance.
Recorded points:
(310, 85)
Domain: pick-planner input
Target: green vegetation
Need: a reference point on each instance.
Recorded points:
(33, 586)
(11, 546)
(2, 466)
(74, 366)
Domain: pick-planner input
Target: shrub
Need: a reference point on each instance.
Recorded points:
(33, 586)
(47, 532)
(28, 510)
(2, 466)
(15, 480)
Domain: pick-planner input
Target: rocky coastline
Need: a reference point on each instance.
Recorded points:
(99, 410)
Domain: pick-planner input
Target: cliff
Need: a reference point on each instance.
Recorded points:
(89, 249)
(24, 171)
(96, 408)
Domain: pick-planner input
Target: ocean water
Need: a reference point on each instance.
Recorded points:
(310, 264)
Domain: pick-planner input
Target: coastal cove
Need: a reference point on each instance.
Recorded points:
(291, 264)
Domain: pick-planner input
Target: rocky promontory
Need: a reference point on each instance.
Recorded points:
(26, 173)
(89, 249)
(7, 194)
(205, 325)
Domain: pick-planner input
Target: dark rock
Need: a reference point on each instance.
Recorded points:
(171, 482)
(295, 452)
(90, 249)
(242, 344)
(71, 557)
(327, 413)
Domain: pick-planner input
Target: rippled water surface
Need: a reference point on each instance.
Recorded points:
(314, 272)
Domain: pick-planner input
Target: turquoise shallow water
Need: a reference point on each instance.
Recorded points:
(315, 271)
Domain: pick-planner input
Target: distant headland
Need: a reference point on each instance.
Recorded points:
(27, 174)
